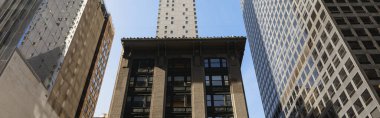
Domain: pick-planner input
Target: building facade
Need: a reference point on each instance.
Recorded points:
(267, 86)
(200, 78)
(95, 76)
(51, 33)
(65, 46)
(178, 74)
(15, 16)
(177, 19)
(323, 54)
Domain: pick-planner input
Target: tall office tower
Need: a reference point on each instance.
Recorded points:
(15, 16)
(67, 46)
(269, 95)
(177, 19)
(95, 76)
(178, 74)
(323, 54)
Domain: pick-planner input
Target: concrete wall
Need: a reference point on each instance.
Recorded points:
(21, 94)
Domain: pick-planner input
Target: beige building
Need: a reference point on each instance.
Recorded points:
(60, 62)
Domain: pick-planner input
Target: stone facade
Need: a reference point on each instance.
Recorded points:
(66, 94)
(177, 18)
(164, 50)
(22, 94)
(95, 76)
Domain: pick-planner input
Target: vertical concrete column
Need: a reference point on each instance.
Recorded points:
(198, 101)
(157, 108)
(237, 89)
(120, 89)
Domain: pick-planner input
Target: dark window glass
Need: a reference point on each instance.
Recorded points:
(371, 74)
(178, 92)
(368, 45)
(333, 9)
(346, 9)
(362, 58)
(340, 21)
(374, 31)
(353, 20)
(352, 1)
(347, 32)
(366, 20)
(360, 32)
(354, 45)
(358, 9)
(376, 58)
(371, 9)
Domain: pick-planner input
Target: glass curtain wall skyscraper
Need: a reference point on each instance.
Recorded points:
(323, 55)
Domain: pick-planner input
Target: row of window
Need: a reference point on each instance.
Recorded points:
(350, 1)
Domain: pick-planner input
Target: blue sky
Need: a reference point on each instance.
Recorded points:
(137, 18)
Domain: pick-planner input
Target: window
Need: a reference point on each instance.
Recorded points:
(374, 31)
(215, 63)
(343, 75)
(353, 20)
(349, 65)
(371, 74)
(217, 88)
(219, 100)
(337, 106)
(139, 89)
(366, 97)
(217, 80)
(351, 113)
(350, 89)
(362, 58)
(331, 91)
(371, 9)
(354, 45)
(336, 83)
(342, 52)
(178, 91)
(340, 21)
(366, 20)
(360, 32)
(346, 9)
(368, 45)
(343, 98)
(347, 32)
(358, 106)
(333, 9)
(376, 58)
(358, 9)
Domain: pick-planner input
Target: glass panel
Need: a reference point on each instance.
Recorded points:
(206, 63)
(215, 63)
(219, 103)
(218, 97)
(138, 101)
(141, 81)
(216, 77)
(217, 83)
(178, 101)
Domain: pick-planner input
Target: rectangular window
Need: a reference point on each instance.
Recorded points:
(178, 91)
(217, 88)
(139, 88)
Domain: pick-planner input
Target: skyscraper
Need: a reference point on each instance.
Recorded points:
(323, 55)
(63, 54)
(178, 74)
(177, 19)
(15, 16)
(267, 86)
